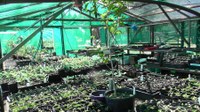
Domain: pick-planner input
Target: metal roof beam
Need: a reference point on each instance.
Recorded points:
(138, 17)
(174, 25)
(16, 20)
(144, 1)
(30, 19)
(167, 22)
(181, 13)
(173, 10)
(54, 15)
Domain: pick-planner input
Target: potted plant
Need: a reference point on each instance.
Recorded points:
(98, 95)
(121, 100)
(115, 97)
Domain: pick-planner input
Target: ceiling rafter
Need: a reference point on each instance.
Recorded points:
(173, 10)
(167, 22)
(138, 17)
(18, 20)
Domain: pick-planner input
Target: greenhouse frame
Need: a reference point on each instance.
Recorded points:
(99, 55)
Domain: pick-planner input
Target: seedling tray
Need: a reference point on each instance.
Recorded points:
(140, 94)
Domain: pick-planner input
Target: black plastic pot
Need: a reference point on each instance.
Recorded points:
(98, 95)
(62, 72)
(25, 88)
(54, 78)
(120, 104)
(13, 87)
(142, 95)
(4, 87)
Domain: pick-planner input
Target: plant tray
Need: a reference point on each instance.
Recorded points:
(140, 94)
(24, 88)
(174, 65)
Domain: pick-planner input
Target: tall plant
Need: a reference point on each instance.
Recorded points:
(112, 17)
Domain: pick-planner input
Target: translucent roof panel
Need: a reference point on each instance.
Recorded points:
(197, 9)
(153, 13)
(26, 10)
(9, 7)
(181, 2)
(137, 10)
(151, 8)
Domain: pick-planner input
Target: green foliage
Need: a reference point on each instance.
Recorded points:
(115, 9)
(78, 63)
(29, 73)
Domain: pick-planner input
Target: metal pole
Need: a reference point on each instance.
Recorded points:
(41, 36)
(1, 65)
(152, 35)
(57, 13)
(128, 38)
(189, 33)
(1, 100)
(62, 37)
(182, 34)
(91, 33)
(198, 35)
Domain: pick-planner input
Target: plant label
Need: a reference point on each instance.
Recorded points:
(141, 78)
(28, 84)
(8, 99)
(141, 67)
(199, 100)
(133, 90)
(111, 84)
(101, 95)
(189, 77)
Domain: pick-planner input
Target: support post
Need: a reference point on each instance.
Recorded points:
(106, 36)
(173, 24)
(41, 36)
(62, 37)
(53, 16)
(198, 35)
(182, 34)
(152, 35)
(128, 38)
(91, 33)
(1, 100)
(189, 33)
(1, 65)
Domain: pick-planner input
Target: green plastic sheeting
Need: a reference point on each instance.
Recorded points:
(76, 38)
(77, 34)
(142, 37)
(13, 36)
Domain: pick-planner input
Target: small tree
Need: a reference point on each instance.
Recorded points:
(114, 13)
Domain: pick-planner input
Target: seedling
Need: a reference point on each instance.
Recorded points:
(141, 78)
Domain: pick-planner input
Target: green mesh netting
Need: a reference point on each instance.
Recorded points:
(77, 33)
